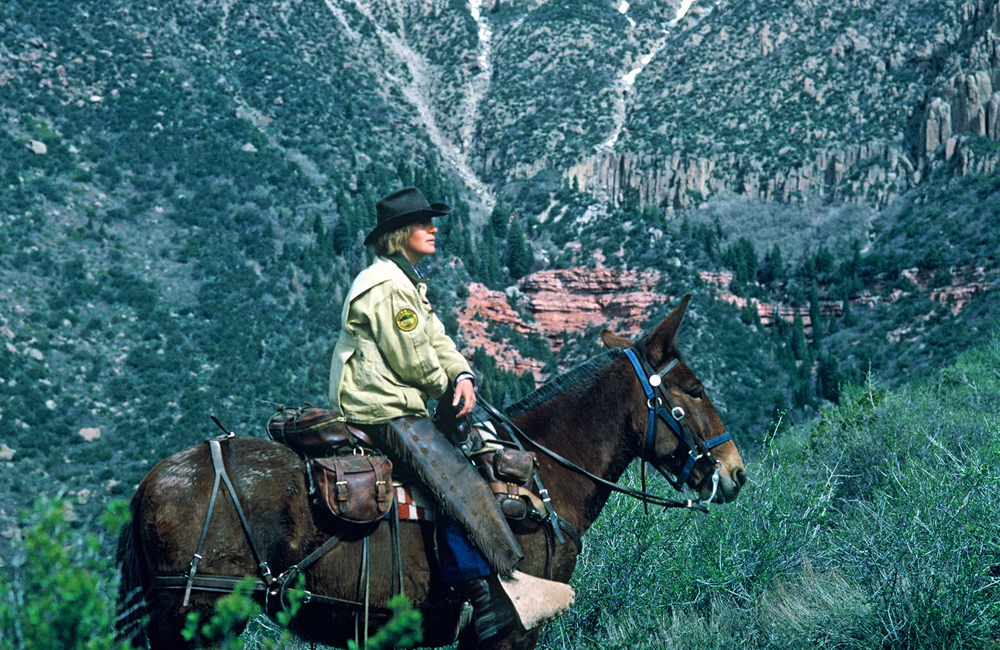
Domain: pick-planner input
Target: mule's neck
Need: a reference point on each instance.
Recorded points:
(596, 430)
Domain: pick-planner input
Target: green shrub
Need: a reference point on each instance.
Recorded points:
(57, 592)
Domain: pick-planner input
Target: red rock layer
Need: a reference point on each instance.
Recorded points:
(561, 302)
(956, 295)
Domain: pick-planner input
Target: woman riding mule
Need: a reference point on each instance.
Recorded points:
(595, 418)
(392, 355)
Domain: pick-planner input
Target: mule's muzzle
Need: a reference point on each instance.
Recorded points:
(730, 484)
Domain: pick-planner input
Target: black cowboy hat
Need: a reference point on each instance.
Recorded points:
(400, 208)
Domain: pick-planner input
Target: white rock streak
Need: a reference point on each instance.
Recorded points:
(628, 79)
(682, 11)
(623, 9)
(418, 89)
(477, 90)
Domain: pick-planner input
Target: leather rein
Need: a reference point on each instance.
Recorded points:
(656, 396)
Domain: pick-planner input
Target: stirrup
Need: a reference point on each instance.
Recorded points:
(537, 600)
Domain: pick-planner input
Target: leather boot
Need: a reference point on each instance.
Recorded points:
(491, 616)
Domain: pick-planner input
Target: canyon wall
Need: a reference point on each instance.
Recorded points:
(943, 108)
(556, 303)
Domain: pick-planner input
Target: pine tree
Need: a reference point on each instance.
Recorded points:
(487, 264)
(828, 378)
(520, 257)
(405, 173)
(742, 258)
(799, 346)
(801, 392)
(500, 219)
(773, 268)
(343, 232)
(847, 316)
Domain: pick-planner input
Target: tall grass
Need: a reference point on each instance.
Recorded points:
(875, 526)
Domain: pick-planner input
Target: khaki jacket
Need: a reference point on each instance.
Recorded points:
(393, 353)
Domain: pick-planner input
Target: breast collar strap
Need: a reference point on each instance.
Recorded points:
(656, 397)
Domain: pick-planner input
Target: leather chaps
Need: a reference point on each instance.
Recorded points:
(457, 486)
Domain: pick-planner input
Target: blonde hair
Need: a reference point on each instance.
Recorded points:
(392, 242)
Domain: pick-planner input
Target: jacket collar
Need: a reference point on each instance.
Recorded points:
(406, 267)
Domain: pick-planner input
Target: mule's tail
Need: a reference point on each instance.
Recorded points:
(133, 585)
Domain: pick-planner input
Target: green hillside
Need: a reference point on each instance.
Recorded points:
(872, 527)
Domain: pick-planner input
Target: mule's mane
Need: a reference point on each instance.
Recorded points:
(579, 377)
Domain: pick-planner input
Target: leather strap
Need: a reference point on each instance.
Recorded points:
(397, 561)
(518, 491)
(655, 398)
(227, 584)
(193, 567)
(654, 499)
(215, 448)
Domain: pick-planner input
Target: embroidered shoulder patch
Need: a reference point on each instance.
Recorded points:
(406, 320)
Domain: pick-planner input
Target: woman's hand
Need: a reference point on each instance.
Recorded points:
(464, 390)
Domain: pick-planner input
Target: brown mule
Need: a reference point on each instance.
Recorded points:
(595, 416)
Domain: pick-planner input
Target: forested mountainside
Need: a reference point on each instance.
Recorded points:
(184, 187)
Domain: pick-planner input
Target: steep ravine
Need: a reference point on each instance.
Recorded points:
(421, 84)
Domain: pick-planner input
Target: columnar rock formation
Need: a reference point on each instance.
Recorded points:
(678, 181)
(957, 108)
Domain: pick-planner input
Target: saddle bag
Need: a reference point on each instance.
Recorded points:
(507, 471)
(356, 489)
(314, 432)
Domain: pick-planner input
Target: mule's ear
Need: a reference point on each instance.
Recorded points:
(664, 337)
(613, 340)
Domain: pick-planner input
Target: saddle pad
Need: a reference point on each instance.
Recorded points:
(413, 504)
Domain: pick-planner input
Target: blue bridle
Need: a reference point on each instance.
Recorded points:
(674, 419)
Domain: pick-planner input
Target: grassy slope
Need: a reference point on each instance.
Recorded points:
(873, 527)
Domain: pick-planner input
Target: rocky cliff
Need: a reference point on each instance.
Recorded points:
(556, 303)
(855, 102)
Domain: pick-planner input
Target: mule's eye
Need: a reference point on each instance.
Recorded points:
(695, 393)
